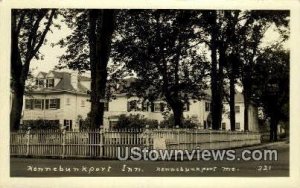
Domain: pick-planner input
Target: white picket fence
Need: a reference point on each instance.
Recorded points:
(102, 143)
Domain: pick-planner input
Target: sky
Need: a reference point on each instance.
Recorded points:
(51, 54)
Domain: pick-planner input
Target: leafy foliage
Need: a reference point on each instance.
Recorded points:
(40, 124)
(135, 121)
(162, 48)
(169, 123)
(28, 34)
(77, 52)
(271, 88)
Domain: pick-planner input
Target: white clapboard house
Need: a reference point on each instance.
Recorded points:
(63, 98)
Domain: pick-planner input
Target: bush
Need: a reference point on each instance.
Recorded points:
(169, 123)
(40, 124)
(84, 124)
(135, 121)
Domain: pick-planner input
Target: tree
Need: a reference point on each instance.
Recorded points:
(235, 37)
(27, 37)
(216, 26)
(161, 48)
(252, 28)
(101, 29)
(232, 62)
(88, 48)
(271, 85)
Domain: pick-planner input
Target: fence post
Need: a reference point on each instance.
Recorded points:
(101, 141)
(210, 139)
(230, 144)
(63, 142)
(178, 137)
(147, 137)
(28, 140)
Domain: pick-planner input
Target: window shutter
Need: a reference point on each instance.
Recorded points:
(47, 103)
(152, 107)
(32, 103)
(57, 103)
(162, 106)
(128, 106)
(27, 103)
(43, 104)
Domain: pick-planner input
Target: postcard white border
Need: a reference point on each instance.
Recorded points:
(292, 181)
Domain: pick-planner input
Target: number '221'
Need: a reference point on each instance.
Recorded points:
(264, 168)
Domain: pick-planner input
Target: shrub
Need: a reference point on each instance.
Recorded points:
(169, 123)
(135, 121)
(40, 124)
(84, 124)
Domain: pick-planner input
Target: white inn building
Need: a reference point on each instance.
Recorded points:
(63, 98)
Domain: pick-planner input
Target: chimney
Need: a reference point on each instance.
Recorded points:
(74, 79)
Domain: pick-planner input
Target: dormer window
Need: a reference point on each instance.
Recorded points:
(50, 82)
(39, 82)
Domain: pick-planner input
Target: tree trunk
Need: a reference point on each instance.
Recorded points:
(16, 109)
(178, 116)
(273, 129)
(93, 16)
(246, 115)
(231, 100)
(215, 92)
(100, 34)
(246, 93)
(222, 62)
(16, 72)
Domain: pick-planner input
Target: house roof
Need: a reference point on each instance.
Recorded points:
(64, 83)
(43, 73)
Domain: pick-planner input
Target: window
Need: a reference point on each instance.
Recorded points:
(50, 82)
(132, 106)
(113, 123)
(157, 107)
(34, 104)
(82, 103)
(38, 103)
(207, 106)
(39, 82)
(237, 109)
(29, 104)
(52, 103)
(68, 124)
(223, 126)
(68, 101)
(186, 107)
(145, 106)
(237, 125)
(106, 106)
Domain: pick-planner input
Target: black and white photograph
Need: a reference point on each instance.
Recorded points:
(149, 92)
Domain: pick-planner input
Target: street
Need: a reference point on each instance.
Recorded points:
(30, 167)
